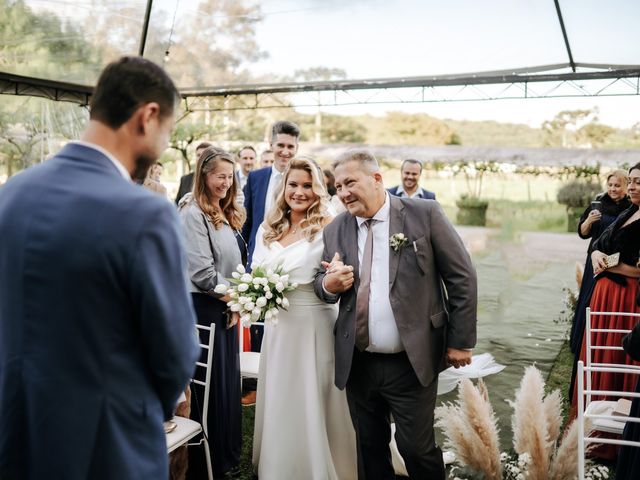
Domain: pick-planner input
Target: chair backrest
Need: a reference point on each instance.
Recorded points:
(205, 369)
(590, 345)
(583, 438)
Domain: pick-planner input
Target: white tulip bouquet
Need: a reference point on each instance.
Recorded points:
(258, 295)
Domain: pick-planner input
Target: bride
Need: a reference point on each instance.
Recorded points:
(302, 428)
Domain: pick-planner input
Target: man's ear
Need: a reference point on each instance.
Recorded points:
(377, 177)
(147, 113)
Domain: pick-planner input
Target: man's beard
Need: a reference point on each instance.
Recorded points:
(142, 165)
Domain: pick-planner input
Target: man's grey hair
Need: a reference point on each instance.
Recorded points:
(364, 157)
(411, 160)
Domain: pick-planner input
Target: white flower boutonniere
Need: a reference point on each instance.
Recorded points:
(397, 241)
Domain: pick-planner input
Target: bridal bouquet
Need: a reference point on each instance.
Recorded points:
(258, 295)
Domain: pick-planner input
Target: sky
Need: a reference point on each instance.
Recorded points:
(381, 39)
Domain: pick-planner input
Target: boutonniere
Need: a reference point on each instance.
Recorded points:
(397, 241)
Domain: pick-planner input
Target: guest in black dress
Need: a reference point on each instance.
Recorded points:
(212, 219)
(628, 467)
(592, 223)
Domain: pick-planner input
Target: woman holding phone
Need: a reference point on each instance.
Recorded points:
(595, 219)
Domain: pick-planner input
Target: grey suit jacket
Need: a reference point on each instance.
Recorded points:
(432, 287)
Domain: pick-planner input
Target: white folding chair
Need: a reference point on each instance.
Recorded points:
(186, 428)
(600, 412)
(249, 361)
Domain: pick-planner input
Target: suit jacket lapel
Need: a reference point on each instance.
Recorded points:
(396, 225)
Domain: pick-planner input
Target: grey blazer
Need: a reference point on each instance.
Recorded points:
(432, 287)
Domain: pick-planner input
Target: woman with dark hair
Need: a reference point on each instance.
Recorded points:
(615, 290)
(592, 223)
(212, 219)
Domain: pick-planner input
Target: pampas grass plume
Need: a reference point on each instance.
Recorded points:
(470, 429)
(565, 461)
(529, 424)
(552, 407)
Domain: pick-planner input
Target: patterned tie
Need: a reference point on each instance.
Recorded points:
(362, 299)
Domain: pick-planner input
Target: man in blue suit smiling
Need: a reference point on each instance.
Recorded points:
(97, 332)
(262, 185)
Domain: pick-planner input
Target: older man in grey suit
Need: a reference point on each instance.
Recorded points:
(407, 291)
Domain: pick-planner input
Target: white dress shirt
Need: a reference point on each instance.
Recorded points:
(383, 331)
(123, 171)
(274, 182)
(242, 179)
(401, 193)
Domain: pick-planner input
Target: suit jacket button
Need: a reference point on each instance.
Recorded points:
(346, 334)
(348, 308)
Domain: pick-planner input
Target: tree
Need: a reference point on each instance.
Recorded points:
(561, 131)
(596, 134)
(184, 135)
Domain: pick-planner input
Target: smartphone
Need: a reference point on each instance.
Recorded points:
(596, 205)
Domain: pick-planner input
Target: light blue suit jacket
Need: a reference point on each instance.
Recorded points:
(97, 331)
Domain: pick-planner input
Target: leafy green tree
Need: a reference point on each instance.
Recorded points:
(596, 134)
(561, 130)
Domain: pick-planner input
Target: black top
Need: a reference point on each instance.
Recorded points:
(610, 210)
(625, 240)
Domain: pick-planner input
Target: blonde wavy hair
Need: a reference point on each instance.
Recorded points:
(278, 220)
(230, 210)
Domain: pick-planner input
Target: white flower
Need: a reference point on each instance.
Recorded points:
(274, 278)
(255, 316)
(284, 278)
(246, 278)
(235, 274)
(268, 315)
(279, 287)
(266, 288)
(257, 281)
(256, 312)
(246, 320)
(221, 289)
(269, 272)
(233, 293)
(294, 285)
(249, 306)
(274, 311)
(261, 302)
(243, 300)
(268, 295)
(278, 300)
(240, 268)
(243, 287)
(235, 307)
(285, 302)
(263, 280)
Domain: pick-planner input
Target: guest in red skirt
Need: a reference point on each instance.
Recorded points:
(615, 291)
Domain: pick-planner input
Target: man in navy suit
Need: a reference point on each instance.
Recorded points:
(97, 331)
(410, 171)
(263, 184)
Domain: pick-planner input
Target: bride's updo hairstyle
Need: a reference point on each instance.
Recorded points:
(278, 220)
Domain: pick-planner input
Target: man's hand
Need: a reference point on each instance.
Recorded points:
(458, 358)
(339, 277)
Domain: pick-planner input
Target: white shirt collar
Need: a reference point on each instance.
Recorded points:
(381, 215)
(123, 171)
(275, 172)
(400, 191)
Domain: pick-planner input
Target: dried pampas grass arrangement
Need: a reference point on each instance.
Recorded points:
(471, 432)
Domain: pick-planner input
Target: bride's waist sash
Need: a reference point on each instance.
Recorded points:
(304, 295)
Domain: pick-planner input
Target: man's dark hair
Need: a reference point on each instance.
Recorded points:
(203, 145)
(127, 84)
(286, 128)
(247, 147)
(411, 160)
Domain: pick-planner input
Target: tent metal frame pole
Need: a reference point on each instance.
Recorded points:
(145, 28)
(564, 34)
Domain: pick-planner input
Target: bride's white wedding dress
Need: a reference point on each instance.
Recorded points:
(302, 428)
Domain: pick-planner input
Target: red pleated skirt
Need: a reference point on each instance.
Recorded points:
(609, 296)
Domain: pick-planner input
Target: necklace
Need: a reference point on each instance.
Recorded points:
(294, 228)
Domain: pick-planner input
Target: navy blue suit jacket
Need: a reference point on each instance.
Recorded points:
(97, 331)
(426, 194)
(255, 194)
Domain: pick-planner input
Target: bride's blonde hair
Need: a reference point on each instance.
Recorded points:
(278, 220)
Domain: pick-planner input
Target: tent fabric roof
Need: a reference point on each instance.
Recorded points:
(222, 47)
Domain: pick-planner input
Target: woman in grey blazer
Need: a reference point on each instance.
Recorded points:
(212, 219)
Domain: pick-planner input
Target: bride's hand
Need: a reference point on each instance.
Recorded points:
(334, 265)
